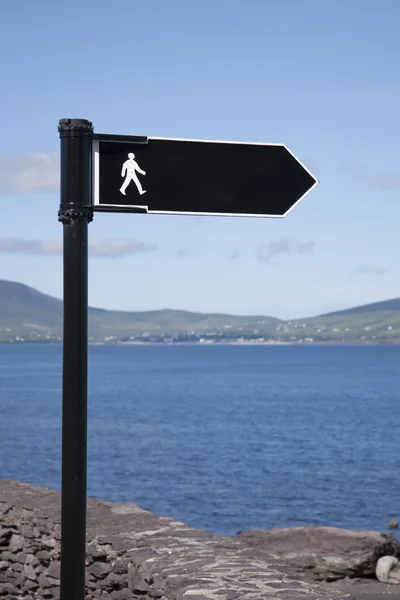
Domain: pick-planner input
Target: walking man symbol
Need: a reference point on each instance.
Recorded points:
(129, 169)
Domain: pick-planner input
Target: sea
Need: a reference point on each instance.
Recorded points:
(224, 438)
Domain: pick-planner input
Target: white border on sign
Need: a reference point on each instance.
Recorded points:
(96, 172)
(96, 180)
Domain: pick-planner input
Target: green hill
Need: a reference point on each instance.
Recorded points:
(29, 315)
(386, 305)
(379, 321)
(22, 306)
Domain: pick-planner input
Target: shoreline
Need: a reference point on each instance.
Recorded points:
(374, 343)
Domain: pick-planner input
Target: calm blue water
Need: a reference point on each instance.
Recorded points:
(220, 437)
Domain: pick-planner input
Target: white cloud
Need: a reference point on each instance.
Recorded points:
(118, 247)
(379, 181)
(283, 246)
(181, 253)
(102, 248)
(29, 173)
(367, 269)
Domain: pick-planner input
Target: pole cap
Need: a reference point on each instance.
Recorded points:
(75, 124)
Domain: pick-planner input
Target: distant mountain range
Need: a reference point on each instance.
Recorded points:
(28, 315)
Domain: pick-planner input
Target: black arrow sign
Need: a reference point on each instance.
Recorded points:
(157, 175)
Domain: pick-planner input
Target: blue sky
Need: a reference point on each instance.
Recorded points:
(320, 76)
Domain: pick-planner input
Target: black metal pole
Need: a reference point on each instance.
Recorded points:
(75, 213)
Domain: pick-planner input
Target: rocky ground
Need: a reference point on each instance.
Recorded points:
(132, 554)
(364, 589)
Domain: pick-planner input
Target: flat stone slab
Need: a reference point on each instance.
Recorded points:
(364, 589)
(140, 553)
(327, 553)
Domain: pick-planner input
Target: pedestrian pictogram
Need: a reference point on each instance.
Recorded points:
(129, 170)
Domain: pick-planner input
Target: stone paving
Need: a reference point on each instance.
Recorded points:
(132, 553)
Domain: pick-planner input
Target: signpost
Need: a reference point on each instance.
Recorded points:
(174, 176)
(101, 172)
